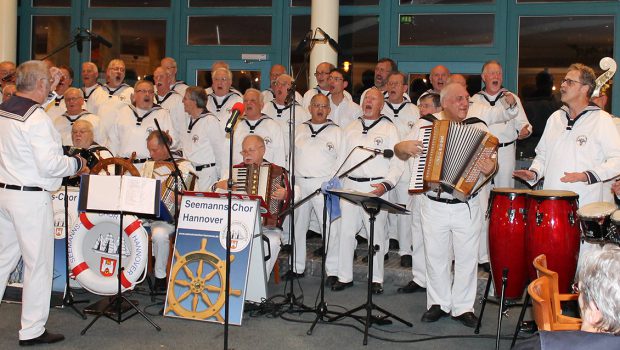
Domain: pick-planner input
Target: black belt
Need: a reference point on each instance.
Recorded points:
(204, 166)
(449, 201)
(140, 160)
(364, 179)
(506, 144)
(21, 188)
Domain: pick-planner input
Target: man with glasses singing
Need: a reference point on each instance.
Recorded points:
(322, 74)
(343, 110)
(580, 147)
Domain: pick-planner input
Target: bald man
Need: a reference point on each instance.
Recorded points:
(170, 65)
(169, 99)
(439, 78)
(321, 74)
(269, 94)
(94, 95)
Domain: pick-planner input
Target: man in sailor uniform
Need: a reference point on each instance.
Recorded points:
(94, 95)
(223, 97)
(169, 99)
(203, 140)
(322, 84)
(270, 94)
(170, 65)
(343, 111)
(378, 176)
(74, 101)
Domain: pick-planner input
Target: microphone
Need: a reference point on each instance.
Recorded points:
(303, 44)
(329, 39)
(98, 38)
(387, 153)
(236, 111)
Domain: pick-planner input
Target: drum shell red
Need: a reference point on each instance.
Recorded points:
(553, 229)
(507, 228)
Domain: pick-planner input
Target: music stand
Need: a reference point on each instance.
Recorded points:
(372, 205)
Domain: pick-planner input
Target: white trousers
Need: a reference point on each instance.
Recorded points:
(506, 161)
(160, 237)
(206, 178)
(418, 258)
(275, 240)
(483, 247)
(446, 227)
(399, 226)
(26, 229)
(303, 216)
(353, 219)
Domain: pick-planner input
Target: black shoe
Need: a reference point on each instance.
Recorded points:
(286, 248)
(159, 285)
(394, 244)
(386, 257)
(361, 240)
(318, 252)
(528, 327)
(486, 267)
(312, 234)
(377, 288)
(433, 314)
(290, 275)
(468, 319)
(45, 338)
(411, 287)
(338, 286)
(331, 280)
(405, 261)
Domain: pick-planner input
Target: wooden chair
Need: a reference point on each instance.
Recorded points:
(552, 297)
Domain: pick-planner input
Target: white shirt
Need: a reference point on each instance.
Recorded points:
(221, 106)
(64, 124)
(508, 131)
(56, 108)
(315, 90)
(404, 115)
(179, 86)
(129, 134)
(385, 93)
(381, 134)
(319, 155)
(94, 97)
(123, 92)
(344, 113)
(592, 145)
(269, 95)
(266, 128)
(30, 149)
(203, 141)
(173, 102)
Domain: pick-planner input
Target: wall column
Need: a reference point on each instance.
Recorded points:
(325, 16)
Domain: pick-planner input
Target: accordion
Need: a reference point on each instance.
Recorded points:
(262, 180)
(451, 159)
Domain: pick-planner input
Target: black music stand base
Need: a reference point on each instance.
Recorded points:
(369, 319)
(114, 310)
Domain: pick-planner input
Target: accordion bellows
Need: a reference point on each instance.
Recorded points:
(451, 162)
(262, 181)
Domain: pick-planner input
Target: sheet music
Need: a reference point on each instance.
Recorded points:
(107, 199)
(130, 194)
(135, 192)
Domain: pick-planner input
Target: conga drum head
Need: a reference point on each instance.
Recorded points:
(509, 190)
(596, 210)
(615, 217)
(553, 194)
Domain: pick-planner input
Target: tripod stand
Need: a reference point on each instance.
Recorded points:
(372, 205)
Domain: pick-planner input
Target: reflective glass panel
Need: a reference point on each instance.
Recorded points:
(140, 43)
(48, 34)
(225, 30)
(229, 3)
(473, 29)
(444, 2)
(342, 2)
(51, 3)
(129, 3)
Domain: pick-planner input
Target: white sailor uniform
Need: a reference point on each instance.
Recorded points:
(30, 156)
(64, 124)
(381, 134)
(221, 106)
(315, 90)
(345, 113)
(205, 145)
(319, 150)
(173, 102)
(269, 130)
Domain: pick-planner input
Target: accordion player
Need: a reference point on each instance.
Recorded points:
(451, 160)
(263, 180)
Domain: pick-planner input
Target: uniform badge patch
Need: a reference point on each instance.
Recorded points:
(582, 140)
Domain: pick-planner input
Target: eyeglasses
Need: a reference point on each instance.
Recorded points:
(250, 150)
(335, 79)
(570, 82)
(320, 73)
(317, 105)
(426, 105)
(117, 69)
(394, 83)
(148, 92)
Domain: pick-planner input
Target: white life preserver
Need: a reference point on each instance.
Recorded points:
(93, 252)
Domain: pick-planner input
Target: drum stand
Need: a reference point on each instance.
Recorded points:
(68, 298)
(502, 305)
(116, 303)
(372, 205)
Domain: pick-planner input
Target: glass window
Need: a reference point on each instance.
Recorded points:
(555, 1)
(444, 2)
(224, 30)
(473, 29)
(342, 2)
(242, 79)
(229, 3)
(420, 82)
(48, 34)
(51, 3)
(129, 3)
(358, 40)
(140, 43)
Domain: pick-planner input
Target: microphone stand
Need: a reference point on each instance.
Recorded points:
(176, 174)
(68, 298)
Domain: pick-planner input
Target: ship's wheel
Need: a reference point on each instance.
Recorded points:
(197, 288)
(126, 167)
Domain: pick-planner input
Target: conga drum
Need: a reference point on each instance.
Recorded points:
(507, 239)
(613, 235)
(553, 230)
(595, 220)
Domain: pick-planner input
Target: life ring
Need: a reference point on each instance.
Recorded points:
(93, 252)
